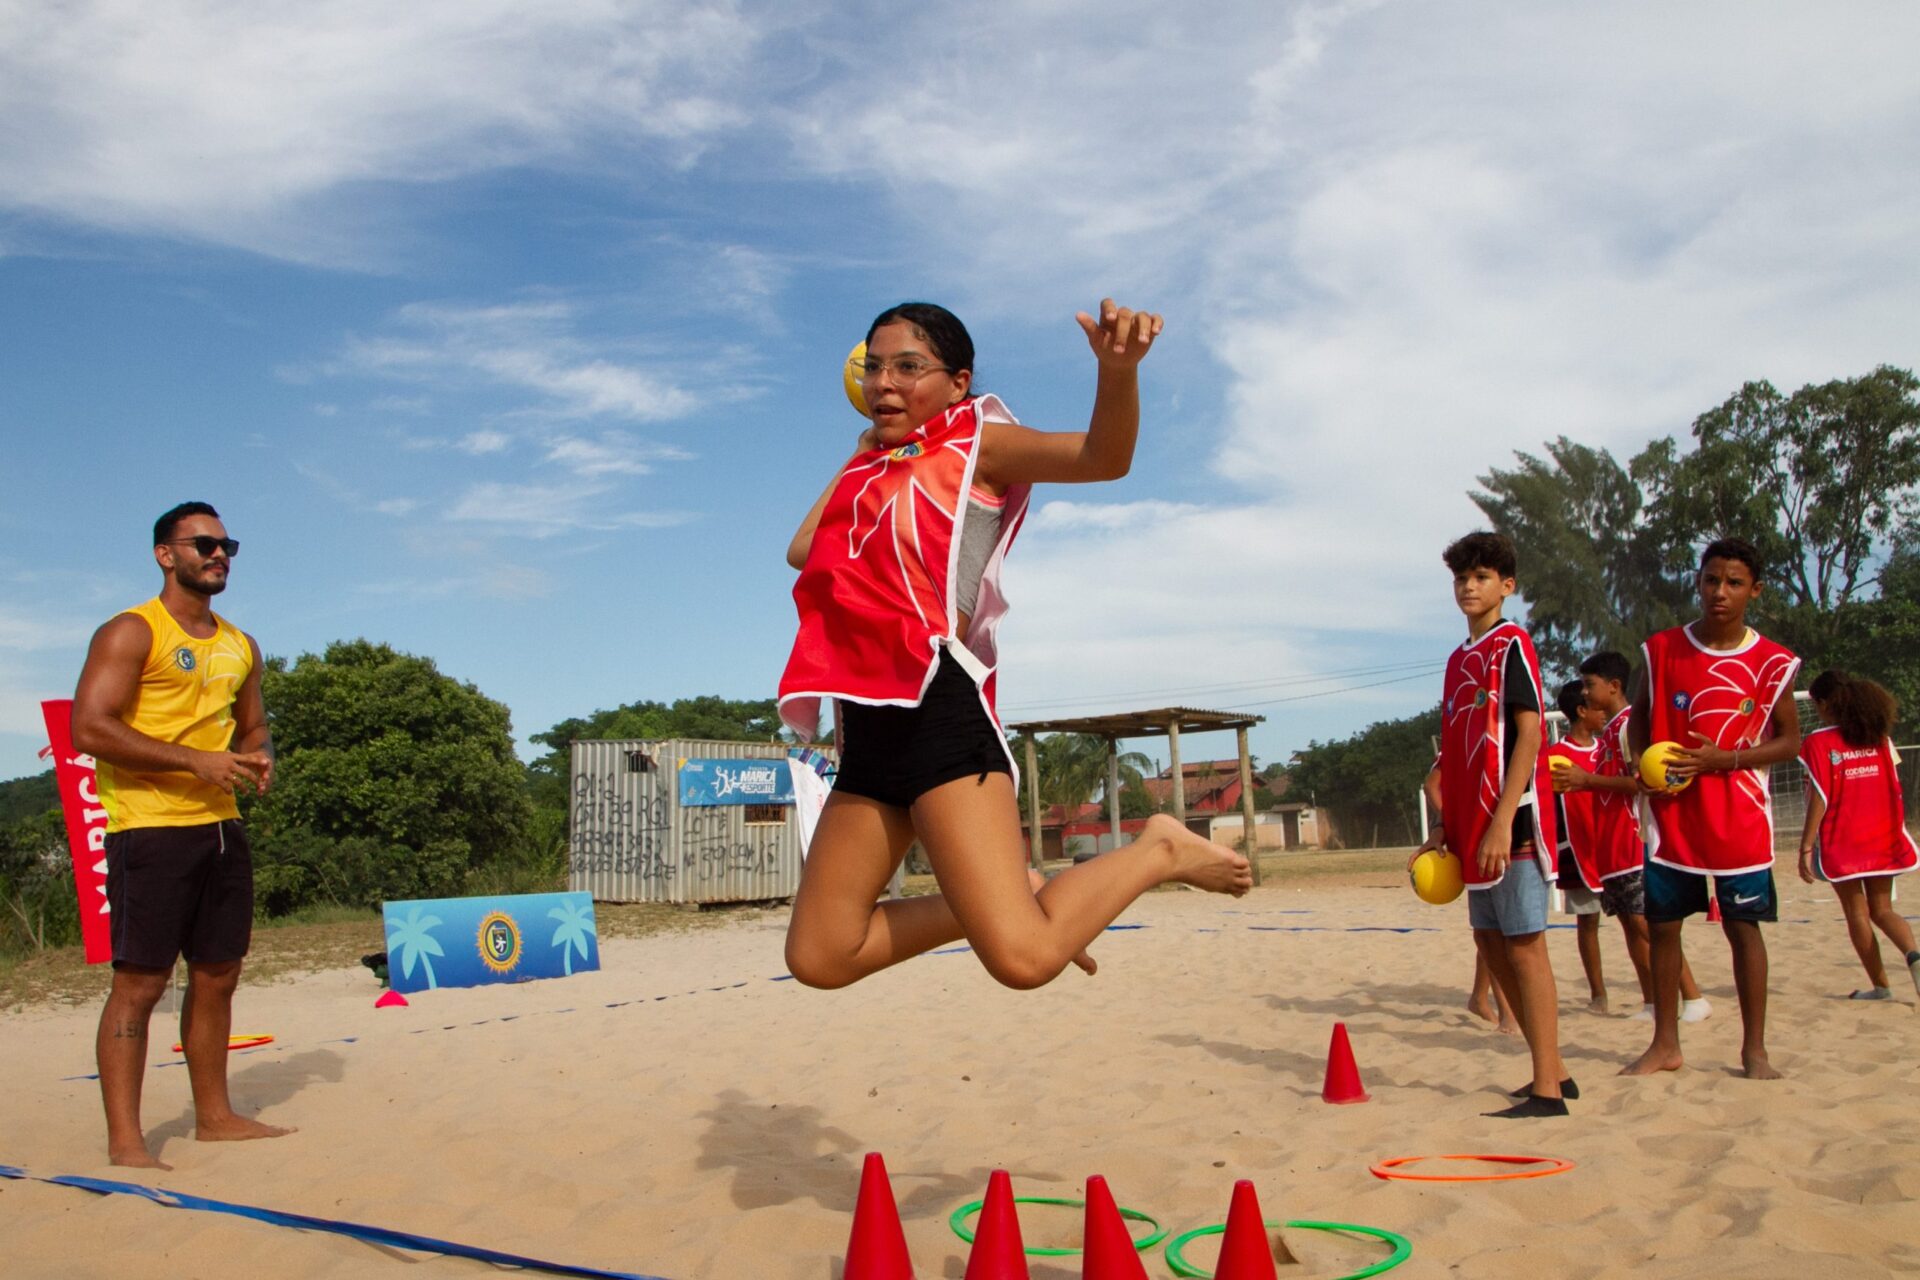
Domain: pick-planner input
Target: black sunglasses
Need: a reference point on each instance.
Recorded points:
(205, 545)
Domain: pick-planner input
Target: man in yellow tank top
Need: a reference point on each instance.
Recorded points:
(169, 706)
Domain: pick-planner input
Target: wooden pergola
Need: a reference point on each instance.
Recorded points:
(1166, 722)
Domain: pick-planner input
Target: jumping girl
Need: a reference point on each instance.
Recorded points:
(1855, 808)
(899, 600)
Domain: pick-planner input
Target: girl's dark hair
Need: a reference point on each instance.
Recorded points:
(1572, 697)
(937, 326)
(1863, 711)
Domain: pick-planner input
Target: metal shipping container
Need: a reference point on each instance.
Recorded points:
(631, 840)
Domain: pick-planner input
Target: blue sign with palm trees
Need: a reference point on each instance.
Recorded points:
(468, 942)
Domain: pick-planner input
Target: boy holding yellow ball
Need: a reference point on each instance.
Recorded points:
(1722, 694)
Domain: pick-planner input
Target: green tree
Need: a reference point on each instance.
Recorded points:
(1073, 768)
(38, 906)
(394, 781)
(27, 797)
(1825, 482)
(1371, 781)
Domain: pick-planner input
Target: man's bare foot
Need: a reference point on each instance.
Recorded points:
(237, 1129)
(1086, 962)
(1481, 1006)
(137, 1158)
(1655, 1059)
(1197, 860)
(1598, 1004)
(1754, 1066)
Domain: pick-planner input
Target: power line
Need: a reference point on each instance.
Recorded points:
(1428, 672)
(1424, 666)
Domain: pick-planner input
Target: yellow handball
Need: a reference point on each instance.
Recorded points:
(1436, 876)
(1653, 769)
(851, 381)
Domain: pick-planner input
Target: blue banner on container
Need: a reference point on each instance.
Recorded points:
(705, 783)
(469, 942)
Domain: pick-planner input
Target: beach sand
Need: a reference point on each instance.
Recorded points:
(684, 1113)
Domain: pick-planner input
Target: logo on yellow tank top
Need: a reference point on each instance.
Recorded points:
(183, 658)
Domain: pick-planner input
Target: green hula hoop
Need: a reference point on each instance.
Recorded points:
(1402, 1247)
(971, 1207)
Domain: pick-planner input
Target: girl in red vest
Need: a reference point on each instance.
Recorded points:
(899, 599)
(1855, 835)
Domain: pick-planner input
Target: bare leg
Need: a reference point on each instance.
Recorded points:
(1866, 944)
(1689, 989)
(120, 1048)
(1480, 999)
(206, 1021)
(1639, 953)
(1750, 980)
(1587, 929)
(1891, 922)
(971, 831)
(840, 932)
(1522, 964)
(1664, 1053)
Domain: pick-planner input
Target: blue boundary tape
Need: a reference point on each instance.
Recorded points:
(302, 1222)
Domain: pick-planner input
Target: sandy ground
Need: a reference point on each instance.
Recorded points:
(683, 1113)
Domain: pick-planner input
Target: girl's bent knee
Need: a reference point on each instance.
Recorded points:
(810, 969)
(1021, 970)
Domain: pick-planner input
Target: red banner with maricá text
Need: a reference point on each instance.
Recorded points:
(73, 774)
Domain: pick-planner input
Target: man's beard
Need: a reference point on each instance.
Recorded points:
(207, 586)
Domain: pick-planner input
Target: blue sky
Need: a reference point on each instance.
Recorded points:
(510, 334)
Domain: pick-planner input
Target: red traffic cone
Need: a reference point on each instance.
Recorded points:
(1244, 1251)
(998, 1253)
(390, 1000)
(877, 1249)
(1343, 1076)
(1713, 905)
(1106, 1245)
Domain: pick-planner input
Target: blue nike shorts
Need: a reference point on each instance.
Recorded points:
(1674, 895)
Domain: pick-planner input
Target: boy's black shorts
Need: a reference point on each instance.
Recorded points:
(175, 891)
(897, 754)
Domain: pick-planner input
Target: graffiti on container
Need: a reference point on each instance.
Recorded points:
(713, 852)
(619, 835)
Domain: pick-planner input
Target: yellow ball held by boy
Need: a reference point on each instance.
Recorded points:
(1653, 769)
(1436, 876)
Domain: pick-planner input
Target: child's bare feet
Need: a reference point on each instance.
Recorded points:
(137, 1158)
(1756, 1067)
(1481, 1006)
(1657, 1058)
(1508, 1027)
(1598, 1004)
(1197, 860)
(235, 1128)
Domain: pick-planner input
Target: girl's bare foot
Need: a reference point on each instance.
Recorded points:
(1481, 1006)
(1598, 1004)
(137, 1158)
(1657, 1058)
(1197, 860)
(237, 1129)
(1508, 1027)
(1756, 1067)
(1086, 962)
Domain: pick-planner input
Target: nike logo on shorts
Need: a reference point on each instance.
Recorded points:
(1739, 901)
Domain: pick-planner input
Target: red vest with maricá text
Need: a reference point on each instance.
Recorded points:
(1473, 756)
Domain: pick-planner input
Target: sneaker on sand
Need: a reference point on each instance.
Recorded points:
(1645, 1014)
(1695, 1010)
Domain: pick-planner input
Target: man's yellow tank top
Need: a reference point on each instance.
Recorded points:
(186, 696)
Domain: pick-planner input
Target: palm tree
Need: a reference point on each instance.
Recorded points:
(576, 926)
(413, 938)
(1073, 769)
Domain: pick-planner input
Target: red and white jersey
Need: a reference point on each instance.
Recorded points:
(876, 596)
(1473, 755)
(1864, 831)
(1577, 812)
(1616, 814)
(1723, 823)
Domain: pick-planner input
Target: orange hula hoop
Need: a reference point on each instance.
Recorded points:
(1389, 1169)
(237, 1042)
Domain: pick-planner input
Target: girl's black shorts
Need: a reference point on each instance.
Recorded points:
(897, 754)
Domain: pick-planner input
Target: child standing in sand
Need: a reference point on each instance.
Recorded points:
(1619, 855)
(1577, 819)
(899, 598)
(1486, 1000)
(1724, 693)
(1855, 836)
(1495, 815)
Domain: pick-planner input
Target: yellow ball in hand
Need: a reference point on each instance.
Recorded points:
(1653, 768)
(1436, 876)
(851, 380)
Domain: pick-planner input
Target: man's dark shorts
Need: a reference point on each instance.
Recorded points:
(174, 891)
(1675, 895)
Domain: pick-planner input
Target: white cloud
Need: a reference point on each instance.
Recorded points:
(242, 126)
(480, 443)
(547, 510)
(614, 453)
